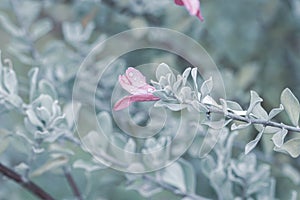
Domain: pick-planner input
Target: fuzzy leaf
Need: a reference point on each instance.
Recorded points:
(45, 87)
(189, 174)
(278, 138)
(162, 70)
(41, 28)
(275, 111)
(206, 87)
(254, 100)
(251, 145)
(52, 164)
(292, 147)
(291, 105)
(174, 175)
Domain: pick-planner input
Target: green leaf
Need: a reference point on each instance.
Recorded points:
(10, 80)
(41, 28)
(236, 126)
(162, 70)
(292, 147)
(45, 87)
(105, 122)
(254, 106)
(189, 174)
(185, 75)
(291, 105)
(10, 27)
(251, 145)
(275, 111)
(88, 166)
(278, 138)
(33, 73)
(52, 164)
(206, 87)
(194, 76)
(174, 175)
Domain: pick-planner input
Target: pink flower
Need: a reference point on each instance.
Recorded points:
(135, 83)
(193, 6)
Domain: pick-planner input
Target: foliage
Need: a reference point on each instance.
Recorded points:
(191, 143)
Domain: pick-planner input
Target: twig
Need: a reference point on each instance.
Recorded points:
(29, 185)
(72, 183)
(173, 189)
(254, 121)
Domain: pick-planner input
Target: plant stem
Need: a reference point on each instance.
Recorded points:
(29, 185)
(253, 120)
(72, 183)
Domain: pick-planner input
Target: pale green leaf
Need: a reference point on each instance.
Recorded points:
(275, 111)
(174, 175)
(278, 138)
(50, 165)
(291, 105)
(206, 87)
(251, 145)
(292, 147)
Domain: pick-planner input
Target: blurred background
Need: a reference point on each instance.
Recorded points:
(254, 43)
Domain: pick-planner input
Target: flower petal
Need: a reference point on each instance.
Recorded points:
(192, 6)
(122, 103)
(179, 2)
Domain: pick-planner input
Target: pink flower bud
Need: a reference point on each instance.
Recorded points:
(193, 6)
(135, 83)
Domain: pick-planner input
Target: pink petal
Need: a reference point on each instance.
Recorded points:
(136, 78)
(199, 15)
(192, 6)
(179, 2)
(127, 100)
(122, 103)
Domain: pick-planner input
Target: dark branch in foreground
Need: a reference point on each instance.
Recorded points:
(72, 183)
(27, 184)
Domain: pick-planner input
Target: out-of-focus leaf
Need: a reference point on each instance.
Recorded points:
(52, 164)
(105, 122)
(10, 27)
(190, 176)
(33, 73)
(87, 166)
(45, 87)
(174, 175)
(291, 105)
(162, 70)
(41, 28)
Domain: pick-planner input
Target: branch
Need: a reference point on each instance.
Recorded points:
(72, 183)
(246, 119)
(29, 185)
(173, 189)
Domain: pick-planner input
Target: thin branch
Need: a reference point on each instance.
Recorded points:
(29, 185)
(72, 183)
(173, 189)
(246, 119)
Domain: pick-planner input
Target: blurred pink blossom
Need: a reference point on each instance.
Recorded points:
(135, 83)
(193, 6)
